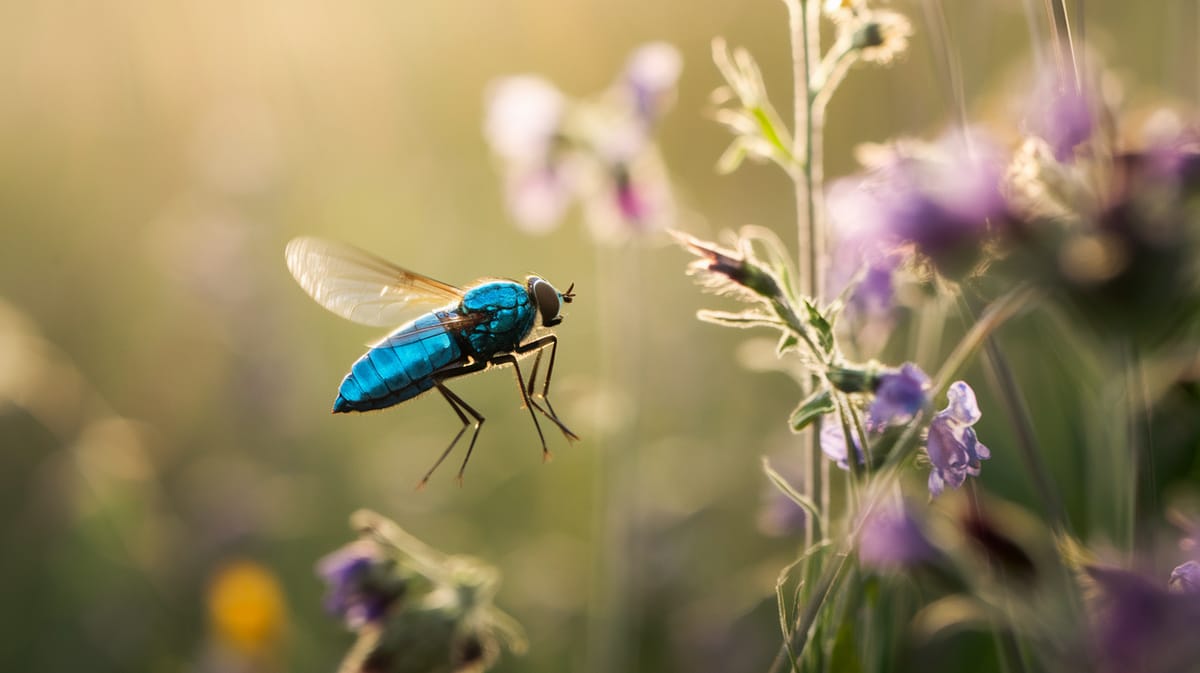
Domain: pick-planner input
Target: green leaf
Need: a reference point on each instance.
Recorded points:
(795, 496)
(817, 404)
(821, 325)
(743, 319)
(787, 342)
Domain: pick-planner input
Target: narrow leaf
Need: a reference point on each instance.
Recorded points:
(817, 404)
(795, 496)
(821, 325)
(741, 319)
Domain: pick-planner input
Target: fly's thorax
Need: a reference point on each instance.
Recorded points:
(506, 313)
(548, 300)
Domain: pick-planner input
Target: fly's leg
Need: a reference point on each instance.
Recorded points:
(533, 374)
(459, 406)
(540, 345)
(508, 358)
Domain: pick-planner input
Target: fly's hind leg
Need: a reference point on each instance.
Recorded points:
(459, 406)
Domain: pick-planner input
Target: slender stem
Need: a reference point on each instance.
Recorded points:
(946, 57)
(798, 24)
(1018, 414)
(803, 20)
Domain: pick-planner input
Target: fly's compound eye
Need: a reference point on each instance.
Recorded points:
(546, 298)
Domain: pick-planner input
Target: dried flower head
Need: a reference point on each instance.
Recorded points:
(880, 35)
(737, 273)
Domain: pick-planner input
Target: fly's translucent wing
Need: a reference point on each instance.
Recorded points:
(362, 287)
(450, 324)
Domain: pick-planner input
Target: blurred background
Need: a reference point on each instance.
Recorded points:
(170, 470)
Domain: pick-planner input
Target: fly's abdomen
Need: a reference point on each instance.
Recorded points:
(398, 368)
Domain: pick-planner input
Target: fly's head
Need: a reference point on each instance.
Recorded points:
(548, 300)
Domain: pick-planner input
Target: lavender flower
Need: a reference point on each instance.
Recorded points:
(890, 538)
(899, 395)
(362, 583)
(953, 448)
(944, 199)
(833, 444)
(1061, 114)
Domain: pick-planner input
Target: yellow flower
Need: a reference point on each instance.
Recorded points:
(246, 607)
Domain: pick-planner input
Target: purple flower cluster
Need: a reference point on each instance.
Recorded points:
(359, 590)
(953, 448)
(555, 151)
(1061, 112)
(943, 200)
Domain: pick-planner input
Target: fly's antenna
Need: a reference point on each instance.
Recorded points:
(569, 295)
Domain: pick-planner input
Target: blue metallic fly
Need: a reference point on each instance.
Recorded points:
(445, 332)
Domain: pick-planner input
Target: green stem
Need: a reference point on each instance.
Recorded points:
(1018, 414)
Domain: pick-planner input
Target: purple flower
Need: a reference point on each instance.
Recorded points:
(538, 197)
(833, 443)
(1185, 578)
(361, 586)
(524, 114)
(599, 152)
(891, 538)
(899, 395)
(650, 77)
(944, 199)
(1140, 626)
(953, 448)
(1061, 114)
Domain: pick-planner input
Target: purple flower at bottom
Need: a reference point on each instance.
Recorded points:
(899, 395)
(1140, 626)
(891, 538)
(1185, 578)
(953, 448)
(360, 589)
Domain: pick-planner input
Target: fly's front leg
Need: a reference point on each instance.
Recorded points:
(539, 345)
(509, 358)
(533, 374)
